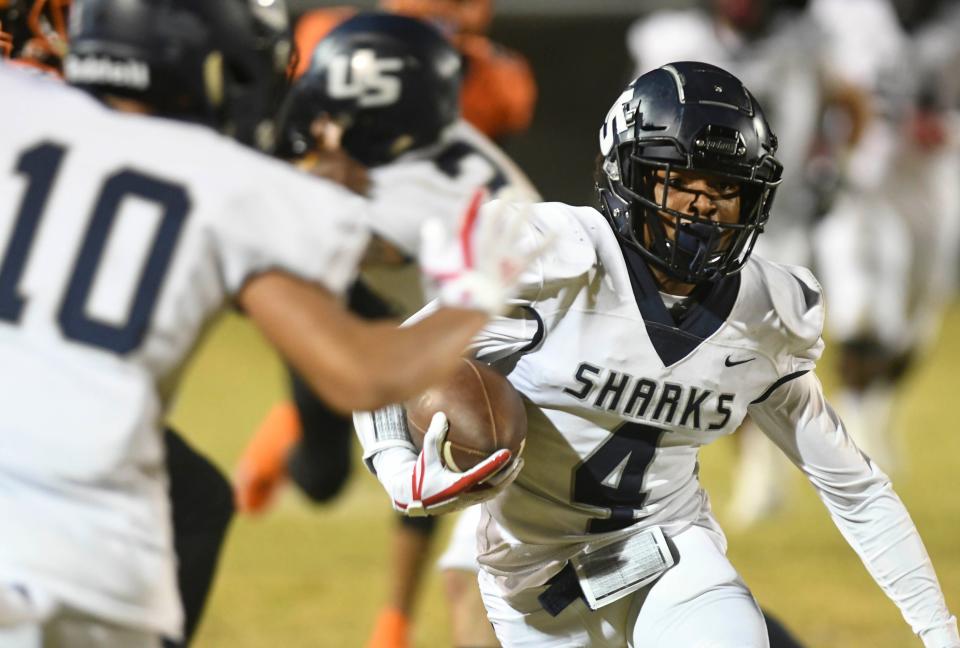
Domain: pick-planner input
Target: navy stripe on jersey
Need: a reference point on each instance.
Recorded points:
(538, 336)
(810, 297)
(674, 340)
(772, 388)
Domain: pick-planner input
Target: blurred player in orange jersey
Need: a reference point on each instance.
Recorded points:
(499, 91)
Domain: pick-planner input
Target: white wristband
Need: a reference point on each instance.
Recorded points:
(377, 433)
(945, 636)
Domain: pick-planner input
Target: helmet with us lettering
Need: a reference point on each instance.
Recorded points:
(391, 82)
(692, 117)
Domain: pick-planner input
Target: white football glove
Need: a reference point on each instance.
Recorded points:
(419, 484)
(480, 265)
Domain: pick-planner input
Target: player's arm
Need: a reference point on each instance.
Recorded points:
(388, 450)
(353, 364)
(358, 365)
(862, 503)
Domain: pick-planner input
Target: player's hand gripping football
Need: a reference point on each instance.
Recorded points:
(420, 484)
(480, 265)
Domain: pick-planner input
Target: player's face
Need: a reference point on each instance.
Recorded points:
(697, 194)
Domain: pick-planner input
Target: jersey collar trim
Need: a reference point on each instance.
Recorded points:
(710, 306)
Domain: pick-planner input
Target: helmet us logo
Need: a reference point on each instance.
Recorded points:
(366, 78)
(617, 121)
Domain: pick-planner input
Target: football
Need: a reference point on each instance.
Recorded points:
(484, 411)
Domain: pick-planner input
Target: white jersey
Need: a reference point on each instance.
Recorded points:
(620, 399)
(782, 68)
(888, 248)
(437, 182)
(120, 237)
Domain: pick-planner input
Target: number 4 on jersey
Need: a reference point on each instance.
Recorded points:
(612, 477)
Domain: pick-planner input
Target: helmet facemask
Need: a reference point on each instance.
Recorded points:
(658, 144)
(688, 247)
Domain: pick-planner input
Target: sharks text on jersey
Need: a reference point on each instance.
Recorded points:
(650, 400)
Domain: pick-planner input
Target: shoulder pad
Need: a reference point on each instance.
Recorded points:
(797, 299)
(571, 232)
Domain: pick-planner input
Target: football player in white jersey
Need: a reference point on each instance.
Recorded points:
(773, 47)
(887, 250)
(647, 332)
(201, 495)
(423, 160)
(136, 222)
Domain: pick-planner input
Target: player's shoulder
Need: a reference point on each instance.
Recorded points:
(38, 92)
(220, 161)
(580, 226)
(517, 183)
(790, 294)
(566, 237)
(576, 236)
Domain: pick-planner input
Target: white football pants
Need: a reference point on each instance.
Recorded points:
(700, 602)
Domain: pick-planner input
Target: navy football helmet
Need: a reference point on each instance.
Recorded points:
(221, 62)
(696, 117)
(392, 82)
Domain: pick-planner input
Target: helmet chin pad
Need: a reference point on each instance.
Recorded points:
(694, 242)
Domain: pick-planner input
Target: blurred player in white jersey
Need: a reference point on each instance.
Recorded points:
(201, 496)
(887, 250)
(648, 331)
(424, 160)
(774, 47)
(135, 222)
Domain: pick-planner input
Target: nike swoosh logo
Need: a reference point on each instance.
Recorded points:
(734, 363)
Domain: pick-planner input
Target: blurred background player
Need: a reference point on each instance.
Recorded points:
(774, 46)
(887, 250)
(423, 159)
(98, 320)
(499, 91)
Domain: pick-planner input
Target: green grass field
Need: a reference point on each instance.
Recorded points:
(309, 576)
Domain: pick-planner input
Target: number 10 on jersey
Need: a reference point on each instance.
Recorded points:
(41, 165)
